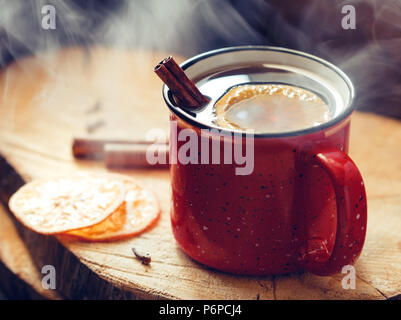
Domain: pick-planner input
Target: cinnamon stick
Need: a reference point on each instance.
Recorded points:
(93, 148)
(180, 85)
(177, 71)
(134, 155)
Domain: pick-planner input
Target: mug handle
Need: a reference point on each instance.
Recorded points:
(351, 216)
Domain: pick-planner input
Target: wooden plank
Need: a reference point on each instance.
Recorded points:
(48, 106)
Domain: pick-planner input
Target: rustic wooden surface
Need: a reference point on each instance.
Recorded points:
(19, 277)
(48, 99)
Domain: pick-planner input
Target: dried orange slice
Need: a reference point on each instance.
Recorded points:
(138, 213)
(64, 204)
(112, 223)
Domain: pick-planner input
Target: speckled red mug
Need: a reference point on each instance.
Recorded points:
(304, 205)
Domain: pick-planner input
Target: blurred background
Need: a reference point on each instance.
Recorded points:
(370, 54)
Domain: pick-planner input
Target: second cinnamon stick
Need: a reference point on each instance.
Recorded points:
(135, 156)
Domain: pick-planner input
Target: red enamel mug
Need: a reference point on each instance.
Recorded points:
(301, 207)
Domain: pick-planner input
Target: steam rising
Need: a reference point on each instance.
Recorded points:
(185, 27)
(370, 54)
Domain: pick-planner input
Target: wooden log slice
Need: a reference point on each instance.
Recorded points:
(46, 100)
